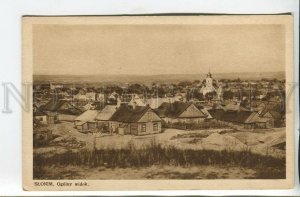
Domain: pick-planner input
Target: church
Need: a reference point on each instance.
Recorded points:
(210, 85)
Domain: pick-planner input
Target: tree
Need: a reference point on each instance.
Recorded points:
(184, 83)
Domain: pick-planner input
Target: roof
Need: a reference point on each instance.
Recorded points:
(276, 109)
(274, 114)
(39, 113)
(88, 115)
(137, 102)
(234, 116)
(61, 106)
(107, 112)
(126, 114)
(174, 110)
(205, 111)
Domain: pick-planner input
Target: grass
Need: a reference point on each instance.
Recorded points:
(156, 154)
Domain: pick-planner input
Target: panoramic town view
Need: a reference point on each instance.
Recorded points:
(227, 128)
(159, 102)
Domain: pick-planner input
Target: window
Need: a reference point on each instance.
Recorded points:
(155, 127)
(143, 127)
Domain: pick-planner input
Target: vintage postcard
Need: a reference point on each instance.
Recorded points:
(158, 102)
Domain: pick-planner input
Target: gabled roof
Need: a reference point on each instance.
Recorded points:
(274, 114)
(88, 115)
(205, 111)
(37, 111)
(174, 110)
(126, 114)
(54, 105)
(107, 112)
(234, 116)
(57, 106)
(276, 108)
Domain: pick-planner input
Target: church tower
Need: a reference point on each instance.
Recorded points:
(208, 85)
(209, 81)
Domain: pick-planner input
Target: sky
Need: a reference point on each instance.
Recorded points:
(157, 49)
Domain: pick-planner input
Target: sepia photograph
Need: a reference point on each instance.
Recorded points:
(158, 102)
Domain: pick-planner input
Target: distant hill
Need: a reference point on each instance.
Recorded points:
(148, 79)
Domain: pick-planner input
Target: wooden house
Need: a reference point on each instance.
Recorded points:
(135, 120)
(273, 111)
(275, 117)
(104, 116)
(180, 112)
(137, 101)
(86, 121)
(246, 119)
(41, 117)
(61, 110)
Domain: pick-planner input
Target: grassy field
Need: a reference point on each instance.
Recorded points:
(132, 158)
(174, 154)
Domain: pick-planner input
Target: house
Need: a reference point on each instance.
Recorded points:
(274, 111)
(104, 116)
(276, 117)
(61, 110)
(100, 97)
(272, 106)
(90, 96)
(113, 96)
(180, 97)
(246, 119)
(88, 106)
(83, 95)
(180, 112)
(80, 97)
(86, 121)
(40, 116)
(137, 101)
(135, 120)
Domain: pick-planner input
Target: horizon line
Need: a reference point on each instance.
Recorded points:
(164, 74)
